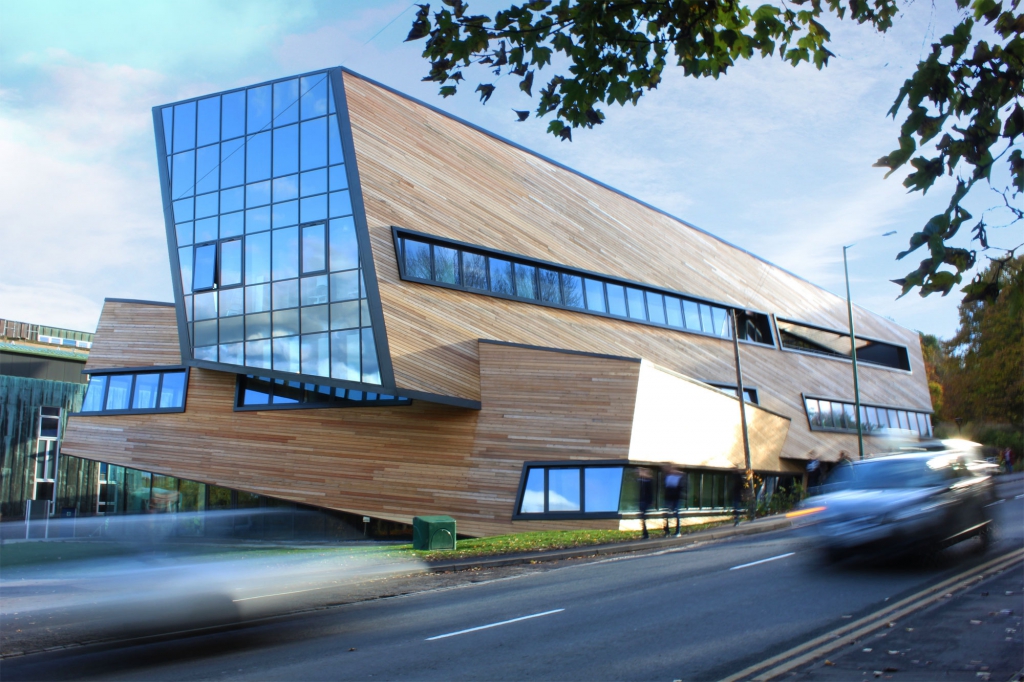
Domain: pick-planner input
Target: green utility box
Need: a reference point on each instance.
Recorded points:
(433, 532)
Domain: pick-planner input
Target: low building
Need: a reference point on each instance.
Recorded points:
(384, 311)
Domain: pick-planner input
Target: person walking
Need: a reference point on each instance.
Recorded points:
(673, 494)
(645, 484)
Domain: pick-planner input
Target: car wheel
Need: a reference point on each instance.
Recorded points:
(985, 538)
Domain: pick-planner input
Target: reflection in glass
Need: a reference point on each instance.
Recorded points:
(286, 188)
(183, 175)
(313, 90)
(674, 312)
(446, 265)
(525, 287)
(838, 418)
(549, 289)
(257, 194)
(185, 265)
(345, 315)
(344, 249)
(203, 274)
(286, 253)
(206, 205)
(172, 391)
(232, 163)
(314, 319)
(206, 305)
(232, 224)
(286, 214)
(231, 302)
(635, 300)
(341, 204)
(707, 324)
(184, 126)
(119, 392)
(145, 391)
(595, 295)
(286, 150)
(231, 353)
(286, 294)
(602, 486)
(563, 490)
(616, 300)
(721, 322)
(313, 182)
(232, 329)
(338, 178)
(206, 333)
(501, 276)
(371, 372)
(206, 230)
(656, 307)
(207, 169)
(315, 353)
(849, 416)
(183, 210)
(286, 101)
(314, 256)
(345, 285)
(168, 118)
(209, 121)
(474, 271)
(572, 291)
(257, 298)
(257, 158)
(233, 115)
(94, 394)
(183, 233)
(345, 363)
(258, 110)
(825, 409)
(533, 493)
(313, 208)
(813, 416)
(286, 354)
(314, 290)
(417, 259)
(313, 148)
(231, 262)
(692, 316)
(258, 353)
(257, 258)
(334, 141)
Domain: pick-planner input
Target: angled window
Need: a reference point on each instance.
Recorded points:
(135, 392)
(263, 393)
(841, 416)
(831, 343)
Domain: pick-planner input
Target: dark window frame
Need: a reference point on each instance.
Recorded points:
(884, 431)
(134, 371)
(840, 358)
(333, 403)
(399, 234)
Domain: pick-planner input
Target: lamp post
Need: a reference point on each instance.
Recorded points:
(853, 353)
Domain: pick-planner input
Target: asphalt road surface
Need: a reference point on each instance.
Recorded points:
(702, 613)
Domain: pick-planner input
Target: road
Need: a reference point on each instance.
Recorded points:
(702, 613)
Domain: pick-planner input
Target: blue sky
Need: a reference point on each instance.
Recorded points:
(775, 159)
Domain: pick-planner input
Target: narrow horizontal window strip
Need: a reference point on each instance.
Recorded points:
(144, 392)
(441, 262)
(805, 338)
(265, 393)
(840, 416)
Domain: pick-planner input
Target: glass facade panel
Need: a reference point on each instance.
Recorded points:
(602, 486)
(417, 259)
(204, 269)
(526, 280)
(145, 392)
(635, 304)
(691, 315)
(616, 299)
(345, 285)
(446, 265)
(345, 360)
(595, 295)
(674, 312)
(118, 392)
(474, 271)
(314, 249)
(813, 416)
(258, 109)
(231, 263)
(257, 158)
(209, 121)
(656, 308)
(550, 292)
(501, 276)
(533, 493)
(720, 320)
(95, 393)
(563, 490)
(184, 126)
(572, 291)
(314, 144)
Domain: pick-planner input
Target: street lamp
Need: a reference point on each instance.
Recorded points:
(853, 352)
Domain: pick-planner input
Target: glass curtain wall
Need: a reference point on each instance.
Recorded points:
(270, 265)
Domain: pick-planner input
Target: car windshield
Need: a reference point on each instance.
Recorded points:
(892, 473)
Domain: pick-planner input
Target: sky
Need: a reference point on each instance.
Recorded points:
(775, 159)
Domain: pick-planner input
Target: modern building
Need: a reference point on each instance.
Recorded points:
(385, 311)
(41, 383)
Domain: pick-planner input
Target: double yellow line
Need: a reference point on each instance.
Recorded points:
(819, 646)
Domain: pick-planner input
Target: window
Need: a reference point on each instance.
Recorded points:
(46, 468)
(836, 344)
(136, 392)
(838, 415)
(262, 393)
(750, 393)
(470, 268)
(204, 268)
(49, 423)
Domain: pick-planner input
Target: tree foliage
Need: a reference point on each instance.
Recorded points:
(965, 97)
(982, 371)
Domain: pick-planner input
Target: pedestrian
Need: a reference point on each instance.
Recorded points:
(1008, 460)
(674, 485)
(645, 483)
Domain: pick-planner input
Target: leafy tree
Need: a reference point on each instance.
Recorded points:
(964, 99)
(934, 362)
(983, 378)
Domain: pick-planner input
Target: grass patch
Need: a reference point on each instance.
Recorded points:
(538, 541)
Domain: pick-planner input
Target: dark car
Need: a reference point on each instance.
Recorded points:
(901, 503)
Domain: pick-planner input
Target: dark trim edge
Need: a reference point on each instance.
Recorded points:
(136, 370)
(567, 351)
(165, 304)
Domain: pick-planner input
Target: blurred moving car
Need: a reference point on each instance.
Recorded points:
(902, 503)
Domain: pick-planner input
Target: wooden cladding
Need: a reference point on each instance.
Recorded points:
(425, 171)
(135, 334)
